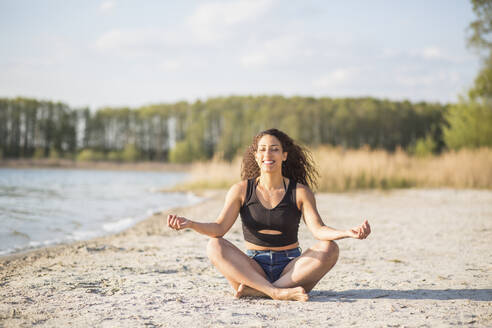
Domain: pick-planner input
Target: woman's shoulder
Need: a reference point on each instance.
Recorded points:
(301, 186)
(240, 185)
(238, 190)
(303, 191)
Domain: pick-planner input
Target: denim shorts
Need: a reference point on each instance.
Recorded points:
(273, 262)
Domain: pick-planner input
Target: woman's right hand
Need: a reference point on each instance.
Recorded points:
(360, 232)
(177, 222)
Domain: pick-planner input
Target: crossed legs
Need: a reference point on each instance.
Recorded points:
(248, 278)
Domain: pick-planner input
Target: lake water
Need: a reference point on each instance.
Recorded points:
(40, 207)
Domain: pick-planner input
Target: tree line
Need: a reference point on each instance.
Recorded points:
(185, 132)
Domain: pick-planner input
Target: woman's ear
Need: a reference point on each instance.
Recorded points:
(284, 156)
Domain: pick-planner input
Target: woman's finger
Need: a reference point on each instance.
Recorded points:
(173, 222)
(365, 226)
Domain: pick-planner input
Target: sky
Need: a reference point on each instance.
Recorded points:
(132, 53)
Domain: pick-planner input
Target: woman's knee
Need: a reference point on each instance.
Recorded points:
(329, 251)
(214, 247)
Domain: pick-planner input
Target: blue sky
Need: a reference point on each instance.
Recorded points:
(132, 53)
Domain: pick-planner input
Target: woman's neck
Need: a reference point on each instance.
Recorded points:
(272, 181)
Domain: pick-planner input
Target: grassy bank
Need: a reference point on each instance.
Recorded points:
(344, 170)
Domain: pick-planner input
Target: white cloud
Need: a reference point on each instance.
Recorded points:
(170, 65)
(107, 6)
(435, 79)
(254, 60)
(429, 53)
(137, 42)
(213, 21)
(284, 50)
(111, 40)
(337, 77)
(432, 53)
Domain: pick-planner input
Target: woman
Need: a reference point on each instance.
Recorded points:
(271, 198)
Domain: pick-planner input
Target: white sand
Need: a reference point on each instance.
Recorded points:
(428, 263)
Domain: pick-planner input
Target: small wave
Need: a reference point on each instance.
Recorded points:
(83, 234)
(35, 244)
(193, 198)
(118, 225)
(153, 211)
(7, 251)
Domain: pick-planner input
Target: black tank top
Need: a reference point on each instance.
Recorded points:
(284, 217)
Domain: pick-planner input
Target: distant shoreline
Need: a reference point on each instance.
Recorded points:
(103, 165)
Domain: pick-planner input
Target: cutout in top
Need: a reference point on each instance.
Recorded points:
(270, 232)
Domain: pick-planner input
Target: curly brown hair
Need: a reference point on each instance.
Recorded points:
(299, 165)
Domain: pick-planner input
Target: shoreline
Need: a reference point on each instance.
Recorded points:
(103, 165)
(427, 263)
(76, 232)
(37, 252)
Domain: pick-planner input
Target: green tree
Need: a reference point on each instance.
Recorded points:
(114, 156)
(130, 153)
(470, 125)
(424, 146)
(470, 121)
(181, 153)
(88, 155)
(481, 27)
(481, 40)
(483, 81)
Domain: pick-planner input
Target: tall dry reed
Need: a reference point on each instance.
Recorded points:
(344, 170)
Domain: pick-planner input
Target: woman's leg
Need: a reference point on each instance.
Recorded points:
(239, 269)
(308, 269)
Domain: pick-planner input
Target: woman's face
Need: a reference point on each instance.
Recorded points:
(269, 154)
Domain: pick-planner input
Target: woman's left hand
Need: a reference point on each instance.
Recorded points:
(177, 222)
(360, 232)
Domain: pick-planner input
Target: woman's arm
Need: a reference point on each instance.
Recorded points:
(224, 222)
(313, 220)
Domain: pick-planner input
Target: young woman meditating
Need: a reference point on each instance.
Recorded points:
(273, 195)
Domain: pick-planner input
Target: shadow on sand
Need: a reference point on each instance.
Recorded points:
(353, 295)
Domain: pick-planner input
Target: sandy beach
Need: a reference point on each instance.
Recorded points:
(427, 263)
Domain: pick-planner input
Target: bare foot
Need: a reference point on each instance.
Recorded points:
(292, 294)
(243, 291)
